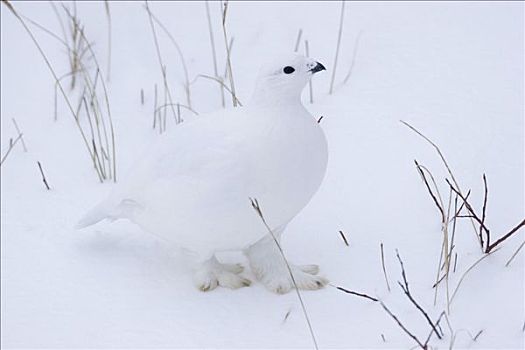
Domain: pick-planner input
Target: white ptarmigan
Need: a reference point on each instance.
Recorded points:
(192, 187)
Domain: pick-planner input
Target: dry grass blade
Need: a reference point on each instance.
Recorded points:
(219, 81)
(515, 253)
(339, 36)
(19, 134)
(466, 273)
(11, 146)
(108, 16)
(167, 91)
(298, 40)
(213, 50)
(354, 55)
(181, 55)
(310, 84)
(228, 54)
(258, 210)
(384, 267)
(50, 67)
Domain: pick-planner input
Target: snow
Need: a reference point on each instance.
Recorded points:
(453, 70)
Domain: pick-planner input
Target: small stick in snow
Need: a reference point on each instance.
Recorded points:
(383, 337)
(43, 176)
(142, 97)
(455, 262)
(362, 295)
(287, 315)
(319, 120)
(344, 238)
(477, 335)
(384, 268)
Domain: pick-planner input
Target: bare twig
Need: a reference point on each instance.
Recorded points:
(362, 295)
(344, 238)
(384, 267)
(258, 210)
(43, 176)
(339, 36)
(516, 228)
(319, 120)
(483, 213)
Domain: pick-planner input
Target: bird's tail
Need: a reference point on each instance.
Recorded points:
(98, 213)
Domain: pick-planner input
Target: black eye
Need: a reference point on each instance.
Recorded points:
(288, 70)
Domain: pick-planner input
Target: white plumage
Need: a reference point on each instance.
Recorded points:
(193, 186)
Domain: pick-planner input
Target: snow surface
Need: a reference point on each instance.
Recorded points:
(453, 70)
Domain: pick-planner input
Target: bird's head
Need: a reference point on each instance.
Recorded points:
(282, 79)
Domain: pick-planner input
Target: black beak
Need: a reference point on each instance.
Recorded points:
(318, 67)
